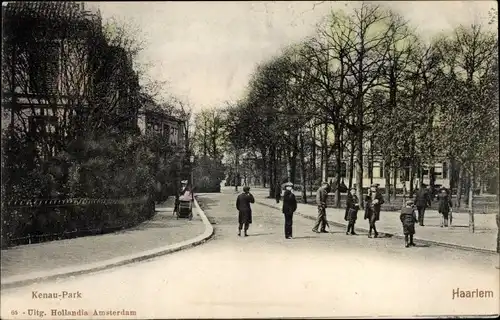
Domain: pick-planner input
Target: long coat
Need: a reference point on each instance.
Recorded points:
(408, 218)
(445, 204)
(352, 207)
(289, 203)
(422, 198)
(244, 209)
(372, 211)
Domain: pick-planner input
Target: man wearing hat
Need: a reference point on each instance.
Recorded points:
(408, 218)
(321, 198)
(374, 201)
(422, 201)
(289, 207)
(244, 209)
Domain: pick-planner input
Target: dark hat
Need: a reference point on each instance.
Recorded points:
(375, 185)
(246, 188)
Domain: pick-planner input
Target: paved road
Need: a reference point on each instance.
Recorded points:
(264, 275)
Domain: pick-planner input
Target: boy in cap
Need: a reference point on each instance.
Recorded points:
(374, 201)
(351, 212)
(289, 207)
(408, 218)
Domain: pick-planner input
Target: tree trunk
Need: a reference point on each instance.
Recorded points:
(338, 166)
(459, 186)
(498, 232)
(237, 160)
(351, 164)
(293, 167)
(313, 155)
(395, 182)
(272, 161)
(324, 173)
(471, 198)
(264, 168)
(370, 167)
(359, 167)
(303, 169)
(387, 174)
(467, 188)
(432, 175)
(412, 178)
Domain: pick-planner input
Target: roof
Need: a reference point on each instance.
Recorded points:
(49, 9)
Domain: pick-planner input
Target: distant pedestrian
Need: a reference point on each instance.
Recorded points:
(321, 198)
(244, 210)
(289, 207)
(422, 202)
(351, 212)
(374, 201)
(408, 218)
(445, 208)
(277, 193)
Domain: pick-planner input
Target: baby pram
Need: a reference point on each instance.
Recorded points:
(185, 206)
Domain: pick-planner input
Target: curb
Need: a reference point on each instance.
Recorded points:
(393, 235)
(24, 280)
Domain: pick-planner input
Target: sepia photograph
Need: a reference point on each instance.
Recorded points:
(250, 160)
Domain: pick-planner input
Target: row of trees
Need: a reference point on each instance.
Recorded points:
(367, 85)
(73, 130)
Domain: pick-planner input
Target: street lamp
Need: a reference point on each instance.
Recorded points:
(191, 160)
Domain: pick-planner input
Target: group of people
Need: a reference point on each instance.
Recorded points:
(412, 212)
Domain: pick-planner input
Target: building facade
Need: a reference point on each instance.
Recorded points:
(169, 127)
(45, 68)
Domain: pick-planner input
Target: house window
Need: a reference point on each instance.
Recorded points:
(43, 68)
(378, 171)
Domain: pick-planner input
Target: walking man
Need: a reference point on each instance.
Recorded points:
(321, 197)
(244, 209)
(289, 207)
(422, 201)
(374, 201)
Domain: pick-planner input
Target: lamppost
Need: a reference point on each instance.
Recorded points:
(191, 160)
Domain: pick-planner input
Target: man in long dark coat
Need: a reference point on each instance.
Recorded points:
(374, 201)
(244, 209)
(289, 207)
(422, 202)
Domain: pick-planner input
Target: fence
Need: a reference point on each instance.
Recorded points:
(36, 220)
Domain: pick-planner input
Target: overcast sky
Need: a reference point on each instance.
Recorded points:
(207, 50)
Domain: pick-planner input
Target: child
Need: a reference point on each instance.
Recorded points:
(408, 219)
(351, 212)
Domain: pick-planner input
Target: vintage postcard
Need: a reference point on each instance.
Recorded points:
(253, 159)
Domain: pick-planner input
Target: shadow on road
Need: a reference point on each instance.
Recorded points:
(259, 234)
